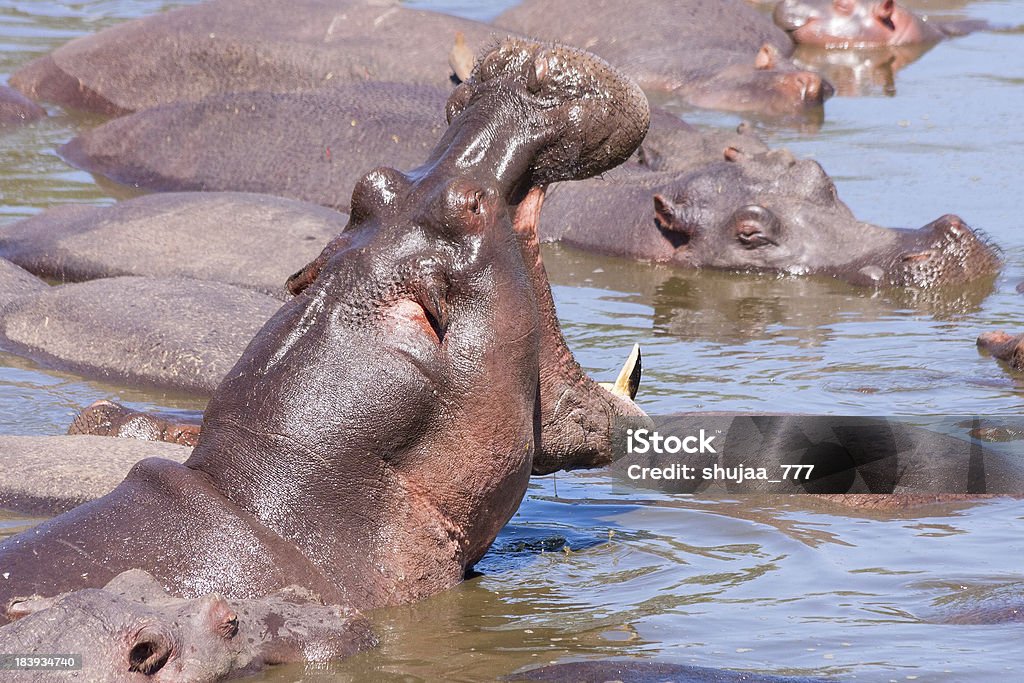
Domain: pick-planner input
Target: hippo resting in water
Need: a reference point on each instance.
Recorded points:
(223, 46)
(133, 630)
(286, 145)
(16, 108)
(1004, 347)
(709, 52)
(862, 23)
(715, 54)
(435, 297)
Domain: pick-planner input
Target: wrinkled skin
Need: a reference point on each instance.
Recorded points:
(1005, 347)
(860, 23)
(342, 453)
(716, 54)
(16, 108)
(132, 630)
(226, 46)
(760, 212)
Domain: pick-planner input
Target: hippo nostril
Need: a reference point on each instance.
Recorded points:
(810, 86)
(148, 656)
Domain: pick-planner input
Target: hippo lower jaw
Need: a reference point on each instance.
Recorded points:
(577, 414)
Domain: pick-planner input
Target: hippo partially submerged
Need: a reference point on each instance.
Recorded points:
(862, 23)
(382, 427)
(1005, 347)
(131, 629)
(225, 46)
(716, 54)
(760, 212)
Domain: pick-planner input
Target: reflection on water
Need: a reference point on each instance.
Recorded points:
(789, 586)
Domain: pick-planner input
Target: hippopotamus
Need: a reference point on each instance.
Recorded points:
(674, 159)
(131, 630)
(760, 212)
(862, 23)
(225, 46)
(106, 418)
(16, 108)
(176, 334)
(435, 296)
(1004, 347)
(241, 239)
(715, 54)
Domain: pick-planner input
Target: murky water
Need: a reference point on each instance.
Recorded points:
(586, 570)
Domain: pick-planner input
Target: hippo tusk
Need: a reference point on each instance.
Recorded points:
(628, 381)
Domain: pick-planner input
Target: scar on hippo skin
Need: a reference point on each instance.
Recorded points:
(1004, 347)
(843, 24)
(342, 452)
(133, 625)
(106, 418)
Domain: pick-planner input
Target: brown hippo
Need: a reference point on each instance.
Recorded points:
(225, 46)
(1004, 347)
(382, 427)
(862, 23)
(715, 54)
(132, 630)
(760, 212)
(106, 418)
(16, 108)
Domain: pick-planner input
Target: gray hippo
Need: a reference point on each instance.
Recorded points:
(16, 108)
(760, 212)
(225, 46)
(131, 629)
(381, 428)
(207, 146)
(715, 54)
(245, 240)
(862, 23)
(16, 282)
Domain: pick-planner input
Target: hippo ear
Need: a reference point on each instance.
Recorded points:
(19, 608)
(664, 212)
(766, 57)
(150, 650)
(883, 11)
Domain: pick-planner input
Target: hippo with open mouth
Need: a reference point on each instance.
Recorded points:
(382, 427)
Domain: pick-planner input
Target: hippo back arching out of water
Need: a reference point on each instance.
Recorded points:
(225, 46)
(716, 54)
(383, 425)
(862, 23)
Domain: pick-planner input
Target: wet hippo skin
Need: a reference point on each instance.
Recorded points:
(169, 333)
(237, 46)
(1005, 347)
(342, 452)
(15, 108)
(131, 629)
(246, 240)
(716, 54)
(862, 23)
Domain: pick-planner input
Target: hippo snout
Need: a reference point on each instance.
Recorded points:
(946, 251)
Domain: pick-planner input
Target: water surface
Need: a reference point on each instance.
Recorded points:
(588, 570)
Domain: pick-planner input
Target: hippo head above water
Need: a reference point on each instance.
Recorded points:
(852, 23)
(772, 212)
(381, 428)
